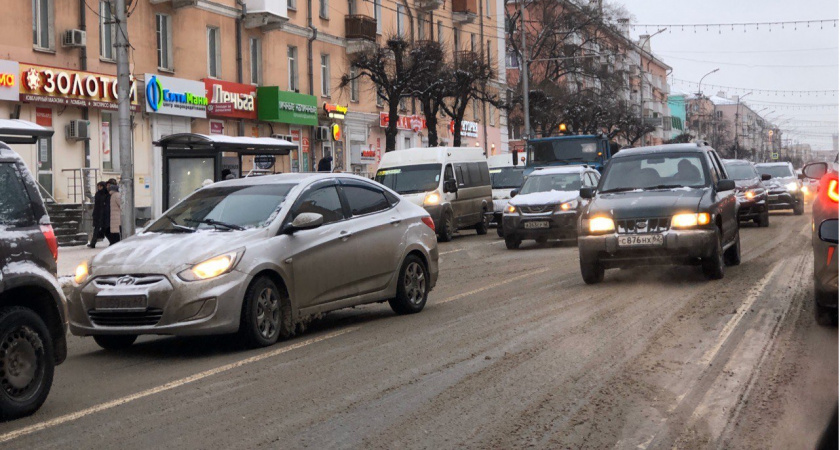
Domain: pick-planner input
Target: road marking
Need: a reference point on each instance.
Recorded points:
(491, 286)
(452, 251)
(733, 322)
(166, 387)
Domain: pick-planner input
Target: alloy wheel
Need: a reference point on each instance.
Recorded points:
(415, 283)
(268, 313)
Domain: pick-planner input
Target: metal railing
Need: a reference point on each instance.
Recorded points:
(359, 26)
(80, 185)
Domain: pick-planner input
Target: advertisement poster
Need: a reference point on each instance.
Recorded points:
(293, 155)
(106, 141)
(305, 166)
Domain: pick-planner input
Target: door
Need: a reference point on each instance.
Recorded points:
(725, 201)
(461, 204)
(45, 166)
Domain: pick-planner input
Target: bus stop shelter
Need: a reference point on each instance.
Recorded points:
(189, 159)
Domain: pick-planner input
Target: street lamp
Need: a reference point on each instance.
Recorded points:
(699, 90)
(642, 81)
(738, 126)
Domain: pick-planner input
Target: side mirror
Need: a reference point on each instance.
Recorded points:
(725, 185)
(305, 221)
(815, 171)
(513, 193)
(828, 231)
(450, 186)
(587, 192)
(765, 176)
(801, 176)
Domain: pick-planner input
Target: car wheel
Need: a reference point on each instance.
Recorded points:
(799, 208)
(28, 363)
(825, 315)
(412, 287)
(512, 242)
(266, 314)
(481, 227)
(115, 341)
(591, 270)
(713, 265)
(732, 256)
(500, 230)
(447, 227)
(542, 240)
(764, 220)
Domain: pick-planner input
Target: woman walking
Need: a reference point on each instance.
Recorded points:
(101, 214)
(115, 218)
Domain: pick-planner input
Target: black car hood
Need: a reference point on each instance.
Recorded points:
(638, 204)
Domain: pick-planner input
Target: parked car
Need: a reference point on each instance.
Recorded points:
(667, 204)
(824, 240)
(33, 310)
(548, 205)
(784, 188)
(451, 183)
(258, 256)
(504, 176)
(750, 190)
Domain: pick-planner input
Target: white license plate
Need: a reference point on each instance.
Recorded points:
(536, 224)
(641, 240)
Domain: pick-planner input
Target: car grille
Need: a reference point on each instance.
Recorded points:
(651, 225)
(127, 280)
(536, 209)
(151, 316)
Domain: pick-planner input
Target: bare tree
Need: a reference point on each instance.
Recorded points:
(464, 82)
(430, 88)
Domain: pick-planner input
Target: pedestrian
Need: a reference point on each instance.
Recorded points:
(325, 164)
(115, 218)
(101, 214)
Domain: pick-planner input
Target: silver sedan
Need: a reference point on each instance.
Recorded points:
(257, 256)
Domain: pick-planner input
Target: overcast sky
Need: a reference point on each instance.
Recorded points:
(784, 59)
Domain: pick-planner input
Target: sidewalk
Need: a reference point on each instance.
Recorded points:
(70, 257)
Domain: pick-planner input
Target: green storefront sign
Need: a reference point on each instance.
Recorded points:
(286, 107)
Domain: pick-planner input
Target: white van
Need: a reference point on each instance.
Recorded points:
(504, 177)
(451, 183)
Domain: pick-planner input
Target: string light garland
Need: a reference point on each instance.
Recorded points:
(758, 91)
(794, 25)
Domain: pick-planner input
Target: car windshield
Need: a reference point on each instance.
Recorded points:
(654, 171)
(741, 171)
(776, 171)
(507, 177)
(553, 182)
(224, 208)
(562, 150)
(410, 179)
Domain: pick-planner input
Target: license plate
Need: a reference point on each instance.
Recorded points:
(536, 224)
(122, 302)
(772, 197)
(641, 240)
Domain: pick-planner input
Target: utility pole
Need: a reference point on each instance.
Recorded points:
(738, 124)
(525, 90)
(124, 119)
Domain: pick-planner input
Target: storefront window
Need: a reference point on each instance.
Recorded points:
(109, 142)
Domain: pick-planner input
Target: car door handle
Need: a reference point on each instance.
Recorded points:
(344, 236)
(395, 221)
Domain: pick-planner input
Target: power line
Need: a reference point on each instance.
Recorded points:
(720, 27)
(774, 66)
(800, 50)
(758, 90)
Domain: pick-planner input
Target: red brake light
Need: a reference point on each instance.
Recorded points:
(428, 221)
(52, 241)
(832, 190)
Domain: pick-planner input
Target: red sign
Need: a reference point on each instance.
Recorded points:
(415, 122)
(71, 87)
(226, 99)
(43, 117)
(305, 144)
(217, 127)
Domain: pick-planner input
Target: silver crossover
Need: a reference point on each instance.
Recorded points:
(257, 256)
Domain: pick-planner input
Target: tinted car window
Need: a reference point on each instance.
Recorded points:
(323, 201)
(553, 182)
(410, 179)
(462, 173)
(713, 171)
(365, 200)
(484, 173)
(475, 174)
(776, 171)
(655, 171)
(15, 208)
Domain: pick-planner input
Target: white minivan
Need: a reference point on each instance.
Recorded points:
(451, 183)
(504, 177)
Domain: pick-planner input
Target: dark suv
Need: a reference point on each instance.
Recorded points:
(750, 190)
(784, 190)
(33, 310)
(668, 204)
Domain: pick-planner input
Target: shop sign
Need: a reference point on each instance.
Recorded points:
(228, 99)
(71, 87)
(43, 117)
(9, 80)
(368, 155)
(415, 122)
(335, 111)
(468, 129)
(335, 131)
(217, 127)
(264, 162)
(175, 96)
(286, 107)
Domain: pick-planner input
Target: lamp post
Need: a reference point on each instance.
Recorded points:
(738, 124)
(642, 81)
(699, 90)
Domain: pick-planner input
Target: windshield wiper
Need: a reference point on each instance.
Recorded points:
(178, 226)
(624, 189)
(665, 186)
(212, 222)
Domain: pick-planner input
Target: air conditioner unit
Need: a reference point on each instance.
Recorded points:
(285, 137)
(322, 133)
(74, 38)
(77, 130)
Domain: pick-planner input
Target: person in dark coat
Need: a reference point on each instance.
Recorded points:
(101, 214)
(325, 164)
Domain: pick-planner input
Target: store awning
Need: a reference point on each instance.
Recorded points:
(15, 131)
(222, 143)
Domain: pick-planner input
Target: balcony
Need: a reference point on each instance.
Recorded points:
(465, 56)
(360, 32)
(428, 5)
(265, 14)
(464, 11)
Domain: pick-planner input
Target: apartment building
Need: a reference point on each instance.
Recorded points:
(258, 68)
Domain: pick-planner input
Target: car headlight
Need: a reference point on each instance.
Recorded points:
(749, 195)
(432, 198)
(82, 272)
(689, 220)
(804, 189)
(792, 187)
(510, 209)
(211, 268)
(568, 206)
(601, 225)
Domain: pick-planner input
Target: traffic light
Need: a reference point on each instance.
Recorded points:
(562, 128)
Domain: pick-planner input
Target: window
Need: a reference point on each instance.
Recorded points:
(472, 42)
(400, 21)
(462, 175)
(351, 7)
(106, 31)
(15, 207)
(354, 84)
(323, 10)
(448, 173)
(256, 61)
(109, 142)
(492, 114)
(214, 52)
(475, 174)
(421, 27)
(291, 4)
(325, 75)
(365, 199)
(440, 32)
(377, 14)
(476, 110)
(403, 105)
(456, 34)
(512, 59)
(489, 53)
(323, 201)
(293, 69)
(42, 24)
(487, 4)
(379, 101)
(163, 33)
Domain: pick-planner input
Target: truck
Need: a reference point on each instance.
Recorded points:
(589, 150)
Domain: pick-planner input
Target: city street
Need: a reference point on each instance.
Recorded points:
(512, 350)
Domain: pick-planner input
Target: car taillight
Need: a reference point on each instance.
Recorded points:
(832, 190)
(52, 241)
(428, 221)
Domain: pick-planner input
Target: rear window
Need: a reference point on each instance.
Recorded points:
(15, 208)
